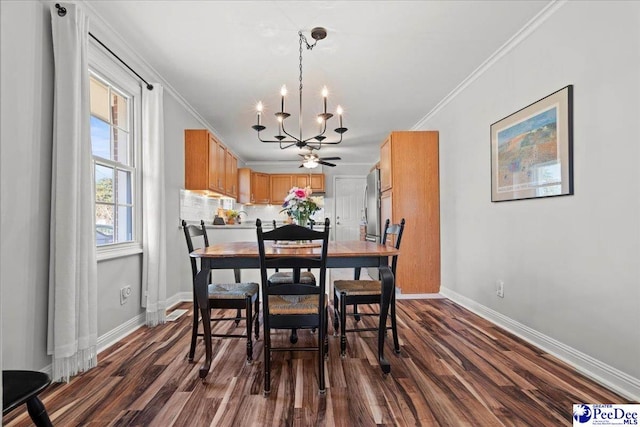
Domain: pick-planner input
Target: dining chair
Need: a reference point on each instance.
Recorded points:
(19, 387)
(354, 292)
(239, 296)
(294, 305)
(280, 277)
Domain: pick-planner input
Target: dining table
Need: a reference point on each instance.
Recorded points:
(340, 254)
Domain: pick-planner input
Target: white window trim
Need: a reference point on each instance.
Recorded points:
(108, 67)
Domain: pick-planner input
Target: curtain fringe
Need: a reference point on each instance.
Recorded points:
(157, 317)
(66, 367)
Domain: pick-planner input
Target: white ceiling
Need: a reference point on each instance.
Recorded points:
(387, 63)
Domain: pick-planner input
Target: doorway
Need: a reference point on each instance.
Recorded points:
(349, 206)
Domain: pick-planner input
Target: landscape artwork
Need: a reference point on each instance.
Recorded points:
(531, 150)
(527, 148)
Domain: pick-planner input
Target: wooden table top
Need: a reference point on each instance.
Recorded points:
(354, 248)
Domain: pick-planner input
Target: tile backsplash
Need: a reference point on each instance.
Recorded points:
(194, 207)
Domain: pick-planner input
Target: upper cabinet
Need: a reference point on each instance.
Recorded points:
(316, 182)
(385, 165)
(280, 186)
(231, 175)
(208, 164)
(253, 187)
(261, 188)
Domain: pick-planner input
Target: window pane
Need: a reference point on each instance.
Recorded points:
(121, 146)
(124, 188)
(119, 111)
(125, 224)
(100, 139)
(104, 183)
(99, 94)
(104, 224)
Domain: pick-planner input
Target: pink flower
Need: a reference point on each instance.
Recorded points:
(300, 193)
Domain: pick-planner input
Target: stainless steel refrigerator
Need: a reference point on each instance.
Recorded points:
(372, 212)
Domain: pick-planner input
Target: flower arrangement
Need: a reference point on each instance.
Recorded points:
(300, 205)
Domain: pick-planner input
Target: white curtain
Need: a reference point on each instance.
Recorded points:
(73, 318)
(154, 262)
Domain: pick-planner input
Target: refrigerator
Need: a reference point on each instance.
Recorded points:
(372, 213)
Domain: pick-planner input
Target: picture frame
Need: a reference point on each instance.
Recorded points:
(532, 150)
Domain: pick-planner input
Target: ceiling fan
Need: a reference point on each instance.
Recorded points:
(311, 160)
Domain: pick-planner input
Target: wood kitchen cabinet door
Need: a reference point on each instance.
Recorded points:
(386, 180)
(260, 188)
(301, 181)
(200, 150)
(231, 175)
(280, 186)
(317, 182)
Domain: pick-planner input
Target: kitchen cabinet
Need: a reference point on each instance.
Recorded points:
(253, 187)
(385, 165)
(300, 181)
(231, 175)
(409, 178)
(260, 188)
(199, 160)
(316, 182)
(280, 186)
(208, 165)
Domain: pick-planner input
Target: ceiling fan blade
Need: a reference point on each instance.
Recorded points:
(301, 166)
(326, 163)
(330, 158)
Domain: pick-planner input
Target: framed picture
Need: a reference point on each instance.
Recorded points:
(532, 152)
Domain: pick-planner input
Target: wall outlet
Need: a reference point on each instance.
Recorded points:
(500, 288)
(125, 293)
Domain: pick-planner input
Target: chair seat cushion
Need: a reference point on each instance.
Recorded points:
(232, 290)
(357, 287)
(294, 304)
(282, 277)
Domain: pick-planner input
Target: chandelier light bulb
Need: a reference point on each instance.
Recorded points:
(339, 110)
(259, 107)
(283, 90)
(325, 92)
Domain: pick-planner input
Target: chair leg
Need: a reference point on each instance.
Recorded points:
(267, 358)
(38, 412)
(321, 353)
(336, 323)
(343, 325)
(238, 316)
(294, 336)
(326, 334)
(394, 326)
(194, 329)
(356, 316)
(249, 325)
(256, 314)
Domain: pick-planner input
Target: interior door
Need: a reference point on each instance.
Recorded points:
(349, 207)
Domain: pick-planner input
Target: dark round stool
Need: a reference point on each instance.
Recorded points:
(20, 387)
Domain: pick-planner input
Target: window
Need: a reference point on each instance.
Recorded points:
(114, 169)
(115, 117)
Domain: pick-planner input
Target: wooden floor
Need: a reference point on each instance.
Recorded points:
(455, 369)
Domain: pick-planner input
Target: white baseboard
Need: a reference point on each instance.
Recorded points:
(610, 377)
(400, 295)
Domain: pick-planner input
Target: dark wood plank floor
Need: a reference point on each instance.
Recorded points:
(455, 369)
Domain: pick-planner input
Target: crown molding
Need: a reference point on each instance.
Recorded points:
(509, 45)
(109, 36)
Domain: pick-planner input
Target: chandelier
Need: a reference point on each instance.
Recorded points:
(286, 139)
